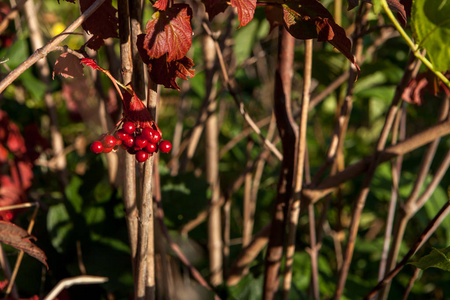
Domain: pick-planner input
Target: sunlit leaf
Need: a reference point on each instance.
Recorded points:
(431, 27)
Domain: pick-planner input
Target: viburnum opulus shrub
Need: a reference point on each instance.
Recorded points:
(163, 48)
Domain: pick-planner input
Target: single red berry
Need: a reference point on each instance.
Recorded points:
(97, 147)
(129, 127)
(165, 146)
(118, 142)
(141, 156)
(121, 135)
(140, 142)
(129, 141)
(107, 150)
(147, 133)
(150, 148)
(109, 141)
(156, 137)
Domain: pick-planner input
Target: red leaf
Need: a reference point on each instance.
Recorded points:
(68, 66)
(165, 72)
(169, 32)
(91, 63)
(245, 10)
(102, 24)
(161, 4)
(18, 238)
(136, 111)
(307, 19)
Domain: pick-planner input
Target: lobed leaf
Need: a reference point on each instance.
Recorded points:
(20, 239)
(169, 32)
(162, 71)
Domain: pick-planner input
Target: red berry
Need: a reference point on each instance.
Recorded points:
(118, 142)
(141, 156)
(97, 147)
(147, 133)
(129, 127)
(165, 146)
(156, 137)
(129, 141)
(140, 142)
(107, 150)
(150, 148)
(109, 141)
(121, 135)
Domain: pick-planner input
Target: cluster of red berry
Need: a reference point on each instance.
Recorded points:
(142, 142)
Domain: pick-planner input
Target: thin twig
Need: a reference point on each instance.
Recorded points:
(231, 88)
(68, 282)
(298, 179)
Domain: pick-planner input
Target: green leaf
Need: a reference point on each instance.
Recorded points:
(436, 259)
(58, 225)
(431, 28)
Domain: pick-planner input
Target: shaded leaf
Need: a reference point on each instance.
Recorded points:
(68, 66)
(436, 259)
(245, 10)
(19, 238)
(431, 28)
(102, 24)
(215, 7)
(165, 72)
(306, 19)
(169, 32)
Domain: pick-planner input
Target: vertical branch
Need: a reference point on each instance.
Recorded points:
(247, 226)
(44, 75)
(129, 183)
(285, 124)
(212, 168)
(298, 180)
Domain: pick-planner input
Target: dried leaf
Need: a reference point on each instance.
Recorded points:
(18, 238)
(68, 66)
(102, 24)
(245, 10)
(169, 32)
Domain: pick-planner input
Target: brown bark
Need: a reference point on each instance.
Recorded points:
(285, 124)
